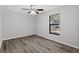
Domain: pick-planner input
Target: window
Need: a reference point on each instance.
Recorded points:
(54, 24)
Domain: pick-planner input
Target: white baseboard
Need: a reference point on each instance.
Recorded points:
(17, 37)
(77, 47)
(12, 38)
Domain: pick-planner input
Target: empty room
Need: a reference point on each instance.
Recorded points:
(39, 28)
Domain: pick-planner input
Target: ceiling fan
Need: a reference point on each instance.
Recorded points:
(32, 10)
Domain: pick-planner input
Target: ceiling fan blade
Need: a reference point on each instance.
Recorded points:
(29, 12)
(40, 9)
(24, 9)
(37, 12)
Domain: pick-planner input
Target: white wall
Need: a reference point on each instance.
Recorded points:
(16, 25)
(0, 28)
(0, 24)
(69, 32)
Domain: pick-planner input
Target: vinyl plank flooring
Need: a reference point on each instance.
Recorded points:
(30, 44)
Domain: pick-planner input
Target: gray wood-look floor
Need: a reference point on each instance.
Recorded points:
(30, 44)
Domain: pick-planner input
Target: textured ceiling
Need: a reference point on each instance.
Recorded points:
(17, 8)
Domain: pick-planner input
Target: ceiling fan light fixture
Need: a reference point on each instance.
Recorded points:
(33, 13)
